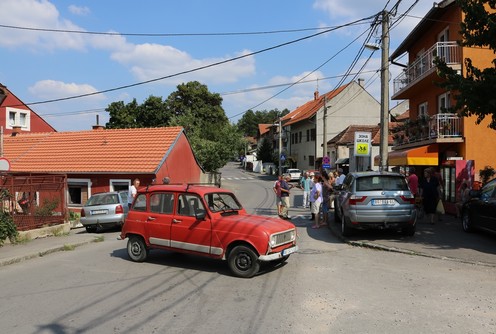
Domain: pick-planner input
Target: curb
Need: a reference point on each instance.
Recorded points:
(65, 247)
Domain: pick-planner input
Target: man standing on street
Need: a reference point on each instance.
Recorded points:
(285, 187)
(277, 191)
(306, 185)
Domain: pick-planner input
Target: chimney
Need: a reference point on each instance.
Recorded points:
(16, 129)
(315, 95)
(98, 126)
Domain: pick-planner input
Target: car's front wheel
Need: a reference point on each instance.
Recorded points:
(136, 249)
(243, 261)
(467, 224)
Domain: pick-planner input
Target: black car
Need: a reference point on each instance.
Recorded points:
(479, 212)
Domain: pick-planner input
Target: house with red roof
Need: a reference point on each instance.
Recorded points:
(315, 122)
(102, 160)
(15, 116)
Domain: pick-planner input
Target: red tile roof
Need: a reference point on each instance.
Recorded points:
(309, 109)
(264, 128)
(347, 136)
(96, 151)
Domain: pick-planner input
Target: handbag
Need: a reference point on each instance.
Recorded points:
(440, 207)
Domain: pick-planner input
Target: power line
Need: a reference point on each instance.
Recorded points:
(199, 68)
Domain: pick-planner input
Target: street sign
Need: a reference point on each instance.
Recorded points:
(362, 144)
(326, 162)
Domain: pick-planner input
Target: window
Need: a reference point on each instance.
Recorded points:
(162, 203)
(78, 191)
(140, 203)
(312, 134)
(18, 117)
(299, 137)
(308, 135)
(443, 102)
(189, 205)
(119, 185)
(422, 110)
(311, 160)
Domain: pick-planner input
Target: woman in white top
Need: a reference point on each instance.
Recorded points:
(316, 199)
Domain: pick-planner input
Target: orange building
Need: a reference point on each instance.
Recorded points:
(432, 136)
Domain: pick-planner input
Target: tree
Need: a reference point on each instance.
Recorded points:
(248, 124)
(265, 151)
(474, 93)
(213, 139)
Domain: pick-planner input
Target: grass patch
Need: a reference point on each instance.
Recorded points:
(100, 238)
(68, 247)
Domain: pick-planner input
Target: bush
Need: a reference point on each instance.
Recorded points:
(7, 226)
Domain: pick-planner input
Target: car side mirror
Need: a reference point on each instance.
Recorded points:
(200, 215)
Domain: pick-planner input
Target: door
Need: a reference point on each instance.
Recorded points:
(159, 218)
(188, 232)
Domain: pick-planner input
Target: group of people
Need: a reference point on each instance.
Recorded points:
(430, 189)
(317, 194)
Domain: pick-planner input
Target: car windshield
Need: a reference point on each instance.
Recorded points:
(102, 199)
(381, 182)
(222, 202)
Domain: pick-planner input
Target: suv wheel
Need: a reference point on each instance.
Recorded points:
(243, 261)
(346, 231)
(136, 249)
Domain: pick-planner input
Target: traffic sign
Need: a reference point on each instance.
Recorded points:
(362, 143)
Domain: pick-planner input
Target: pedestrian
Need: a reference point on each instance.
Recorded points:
(412, 180)
(285, 189)
(277, 191)
(341, 177)
(133, 191)
(306, 184)
(326, 196)
(166, 180)
(464, 196)
(316, 200)
(430, 192)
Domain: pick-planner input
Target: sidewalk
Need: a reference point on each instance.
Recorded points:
(15, 253)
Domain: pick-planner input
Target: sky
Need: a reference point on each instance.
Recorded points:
(257, 54)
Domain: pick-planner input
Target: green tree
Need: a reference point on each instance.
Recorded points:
(213, 139)
(474, 92)
(265, 151)
(248, 123)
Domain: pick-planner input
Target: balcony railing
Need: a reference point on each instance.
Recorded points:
(424, 64)
(439, 126)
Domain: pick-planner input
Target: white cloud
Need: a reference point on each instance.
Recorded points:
(79, 10)
(51, 89)
(151, 61)
(39, 15)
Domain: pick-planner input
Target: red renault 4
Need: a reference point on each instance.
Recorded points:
(206, 221)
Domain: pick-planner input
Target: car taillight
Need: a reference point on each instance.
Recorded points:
(357, 199)
(119, 209)
(82, 213)
(408, 199)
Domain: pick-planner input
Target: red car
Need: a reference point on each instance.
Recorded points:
(206, 221)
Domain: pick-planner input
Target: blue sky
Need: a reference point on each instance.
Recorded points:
(129, 42)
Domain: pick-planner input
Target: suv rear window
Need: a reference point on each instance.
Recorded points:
(381, 182)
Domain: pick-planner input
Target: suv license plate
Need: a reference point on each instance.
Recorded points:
(99, 212)
(383, 202)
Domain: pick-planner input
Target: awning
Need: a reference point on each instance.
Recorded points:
(342, 161)
(418, 156)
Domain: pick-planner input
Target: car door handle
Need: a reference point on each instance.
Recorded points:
(151, 218)
(176, 221)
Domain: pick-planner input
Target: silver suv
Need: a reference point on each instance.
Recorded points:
(375, 200)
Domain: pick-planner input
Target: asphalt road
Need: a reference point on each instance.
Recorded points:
(329, 286)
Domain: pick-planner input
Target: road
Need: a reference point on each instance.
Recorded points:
(328, 287)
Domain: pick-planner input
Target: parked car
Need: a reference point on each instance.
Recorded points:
(294, 173)
(479, 212)
(380, 200)
(107, 209)
(206, 221)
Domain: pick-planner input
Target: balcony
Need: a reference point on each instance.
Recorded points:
(424, 65)
(425, 130)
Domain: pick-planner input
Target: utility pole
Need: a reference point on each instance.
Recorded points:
(280, 146)
(384, 124)
(324, 144)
